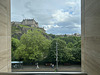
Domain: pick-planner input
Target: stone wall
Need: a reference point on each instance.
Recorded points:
(5, 36)
(90, 32)
(30, 22)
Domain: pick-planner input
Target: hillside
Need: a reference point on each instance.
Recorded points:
(19, 29)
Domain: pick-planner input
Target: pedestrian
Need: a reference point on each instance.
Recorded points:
(37, 67)
(52, 65)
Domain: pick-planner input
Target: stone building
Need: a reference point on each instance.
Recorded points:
(30, 22)
(27, 22)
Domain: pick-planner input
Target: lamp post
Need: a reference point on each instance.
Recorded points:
(56, 57)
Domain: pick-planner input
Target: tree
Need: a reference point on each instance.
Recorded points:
(70, 45)
(15, 44)
(77, 52)
(34, 46)
(52, 51)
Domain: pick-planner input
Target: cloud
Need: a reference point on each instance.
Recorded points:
(60, 15)
(47, 27)
(56, 16)
(66, 21)
(60, 30)
(70, 3)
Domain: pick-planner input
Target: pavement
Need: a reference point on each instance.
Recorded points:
(42, 68)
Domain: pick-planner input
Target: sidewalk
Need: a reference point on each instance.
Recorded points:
(61, 68)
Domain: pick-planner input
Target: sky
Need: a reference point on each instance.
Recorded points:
(55, 16)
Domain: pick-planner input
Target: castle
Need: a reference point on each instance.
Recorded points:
(27, 22)
(19, 28)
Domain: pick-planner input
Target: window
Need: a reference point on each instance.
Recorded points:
(54, 42)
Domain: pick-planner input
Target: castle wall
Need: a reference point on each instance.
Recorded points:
(30, 22)
(90, 36)
(17, 22)
(5, 36)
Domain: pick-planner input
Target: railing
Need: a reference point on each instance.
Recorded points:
(43, 73)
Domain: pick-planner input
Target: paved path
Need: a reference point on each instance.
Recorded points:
(75, 68)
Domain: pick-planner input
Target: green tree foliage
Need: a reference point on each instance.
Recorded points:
(72, 39)
(66, 53)
(75, 50)
(15, 44)
(61, 51)
(34, 47)
(70, 45)
(52, 35)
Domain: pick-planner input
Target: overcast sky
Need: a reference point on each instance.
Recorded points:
(56, 16)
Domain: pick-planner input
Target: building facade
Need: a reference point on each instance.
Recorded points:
(5, 36)
(90, 36)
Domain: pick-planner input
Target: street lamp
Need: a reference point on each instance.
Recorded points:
(56, 56)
